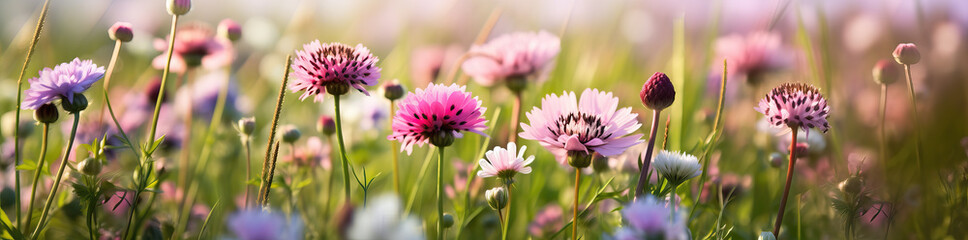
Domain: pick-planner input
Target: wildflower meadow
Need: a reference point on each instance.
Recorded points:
(446, 119)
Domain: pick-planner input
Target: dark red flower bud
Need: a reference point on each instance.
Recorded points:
(658, 92)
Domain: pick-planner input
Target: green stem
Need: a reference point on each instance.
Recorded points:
(37, 172)
(883, 134)
(60, 175)
(440, 192)
(789, 179)
(504, 229)
(914, 107)
(20, 80)
(394, 150)
(164, 79)
(107, 77)
(574, 217)
(248, 170)
(342, 151)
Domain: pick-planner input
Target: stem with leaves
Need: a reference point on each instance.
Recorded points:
(60, 175)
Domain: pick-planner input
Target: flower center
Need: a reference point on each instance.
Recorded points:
(586, 126)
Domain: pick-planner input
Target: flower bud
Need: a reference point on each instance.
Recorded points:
(7, 197)
(247, 126)
(600, 163)
(447, 220)
(776, 160)
(290, 133)
(852, 185)
(907, 54)
(393, 90)
(442, 139)
(229, 29)
(121, 31)
(885, 72)
(497, 197)
(658, 92)
(179, 7)
(47, 113)
(517, 83)
(579, 159)
(326, 125)
(90, 166)
(766, 236)
(802, 149)
(75, 105)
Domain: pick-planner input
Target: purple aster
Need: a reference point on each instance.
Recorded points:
(63, 81)
(332, 67)
(648, 218)
(256, 224)
(795, 105)
(522, 54)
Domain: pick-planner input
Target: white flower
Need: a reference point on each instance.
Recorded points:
(381, 220)
(676, 167)
(505, 163)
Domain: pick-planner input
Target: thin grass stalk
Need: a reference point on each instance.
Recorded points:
(272, 128)
(640, 187)
(37, 173)
(789, 179)
(710, 139)
(268, 182)
(515, 117)
(60, 175)
(20, 80)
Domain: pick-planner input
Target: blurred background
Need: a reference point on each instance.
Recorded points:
(606, 44)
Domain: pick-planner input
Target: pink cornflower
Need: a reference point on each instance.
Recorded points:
(522, 54)
(505, 163)
(62, 82)
(566, 126)
(436, 114)
(195, 45)
(795, 105)
(333, 68)
(752, 55)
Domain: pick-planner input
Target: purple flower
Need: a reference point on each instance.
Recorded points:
(332, 67)
(795, 105)
(648, 218)
(566, 126)
(256, 224)
(195, 45)
(62, 82)
(522, 54)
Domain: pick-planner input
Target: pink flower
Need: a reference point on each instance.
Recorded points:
(195, 45)
(332, 67)
(566, 126)
(427, 63)
(546, 221)
(505, 163)
(436, 112)
(521, 54)
(752, 55)
(313, 154)
(795, 105)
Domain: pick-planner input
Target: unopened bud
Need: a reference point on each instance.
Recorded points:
(76, 104)
(90, 166)
(852, 185)
(326, 125)
(179, 7)
(658, 92)
(393, 90)
(247, 126)
(121, 31)
(885, 72)
(47, 113)
(907, 54)
(229, 29)
(776, 160)
(290, 133)
(447, 220)
(497, 198)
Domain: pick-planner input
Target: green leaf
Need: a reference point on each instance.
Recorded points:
(154, 145)
(302, 183)
(255, 182)
(9, 230)
(27, 165)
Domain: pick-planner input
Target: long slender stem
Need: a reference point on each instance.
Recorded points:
(342, 151)
(507, 223)
(164, 79)
(37, 172)
(20, 80)
(329, 183)
(515, 117)
(640, 187)
(574, 217)
(107, 77)
(248, 169)
(883, 133)
(914, 107)
(395, 152)
(57, 180)
(789, 179)
(440, 192)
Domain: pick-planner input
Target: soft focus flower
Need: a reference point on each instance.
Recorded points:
(505, 163)
(289, 133)
(381, 220)
(752, 55)
(907, 54)
(204, 96)
(795, 105)
(256, 224)
(427, 63)
(462, 171)
(313, 153)
(546, 221)
(62, 82)
(676, 167)
(566, 126)
(648, 218)
(885, 72)
(393, 90)
(121, 31)
(195, 45)
(333, 68)
(326, 125)
(229, 29)
(434, 112)
(519, 55)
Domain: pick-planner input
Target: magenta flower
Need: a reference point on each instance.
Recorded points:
(566, 126)
(332, 67)
(313, 153)
(795, 105)
(752, 55)
(195, 45)
(438, 111)
(505, 163)
(521, 54)
(62, 82)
